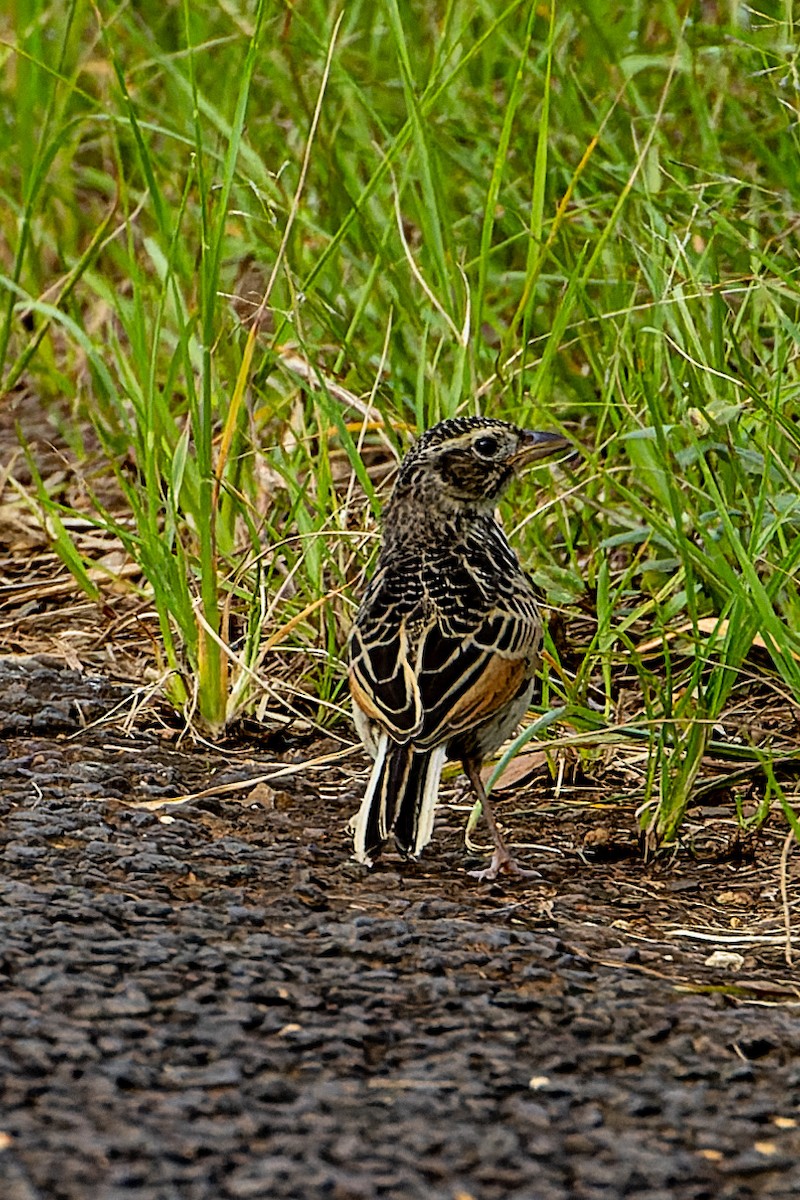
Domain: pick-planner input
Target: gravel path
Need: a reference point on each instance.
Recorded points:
(211, 1001)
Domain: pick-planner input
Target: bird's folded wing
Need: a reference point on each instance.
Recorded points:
(382, 680)
(482, 673)
(446, 681)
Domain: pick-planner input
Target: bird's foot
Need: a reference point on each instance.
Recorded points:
(503, 863)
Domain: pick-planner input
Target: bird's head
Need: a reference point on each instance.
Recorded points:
(470, 461)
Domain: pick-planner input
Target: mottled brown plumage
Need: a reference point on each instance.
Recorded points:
(446, 641)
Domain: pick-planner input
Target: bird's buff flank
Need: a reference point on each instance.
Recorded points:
(445, 645)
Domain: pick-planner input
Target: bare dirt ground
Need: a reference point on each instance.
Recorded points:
(211, 1000)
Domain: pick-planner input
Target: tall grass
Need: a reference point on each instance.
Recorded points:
(540, 212)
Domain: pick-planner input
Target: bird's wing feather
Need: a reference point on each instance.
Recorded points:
(426, 681)
(463, 680)
(478, 697)
(382, 679)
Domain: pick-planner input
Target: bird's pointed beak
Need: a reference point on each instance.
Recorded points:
(536, 444)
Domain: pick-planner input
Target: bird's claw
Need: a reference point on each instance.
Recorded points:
(503, 864)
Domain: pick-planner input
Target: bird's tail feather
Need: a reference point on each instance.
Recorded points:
(400, 799)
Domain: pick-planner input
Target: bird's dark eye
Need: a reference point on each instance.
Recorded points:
(485, 446)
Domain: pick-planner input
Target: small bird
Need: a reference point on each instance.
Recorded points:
(445, 644)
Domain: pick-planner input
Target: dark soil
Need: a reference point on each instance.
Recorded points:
(210, 1000)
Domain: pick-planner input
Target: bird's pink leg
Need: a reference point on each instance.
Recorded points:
(503, 861)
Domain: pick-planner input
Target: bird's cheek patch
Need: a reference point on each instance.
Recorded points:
(455, 470)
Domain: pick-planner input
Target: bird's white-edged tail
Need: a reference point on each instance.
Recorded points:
(400, 799)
